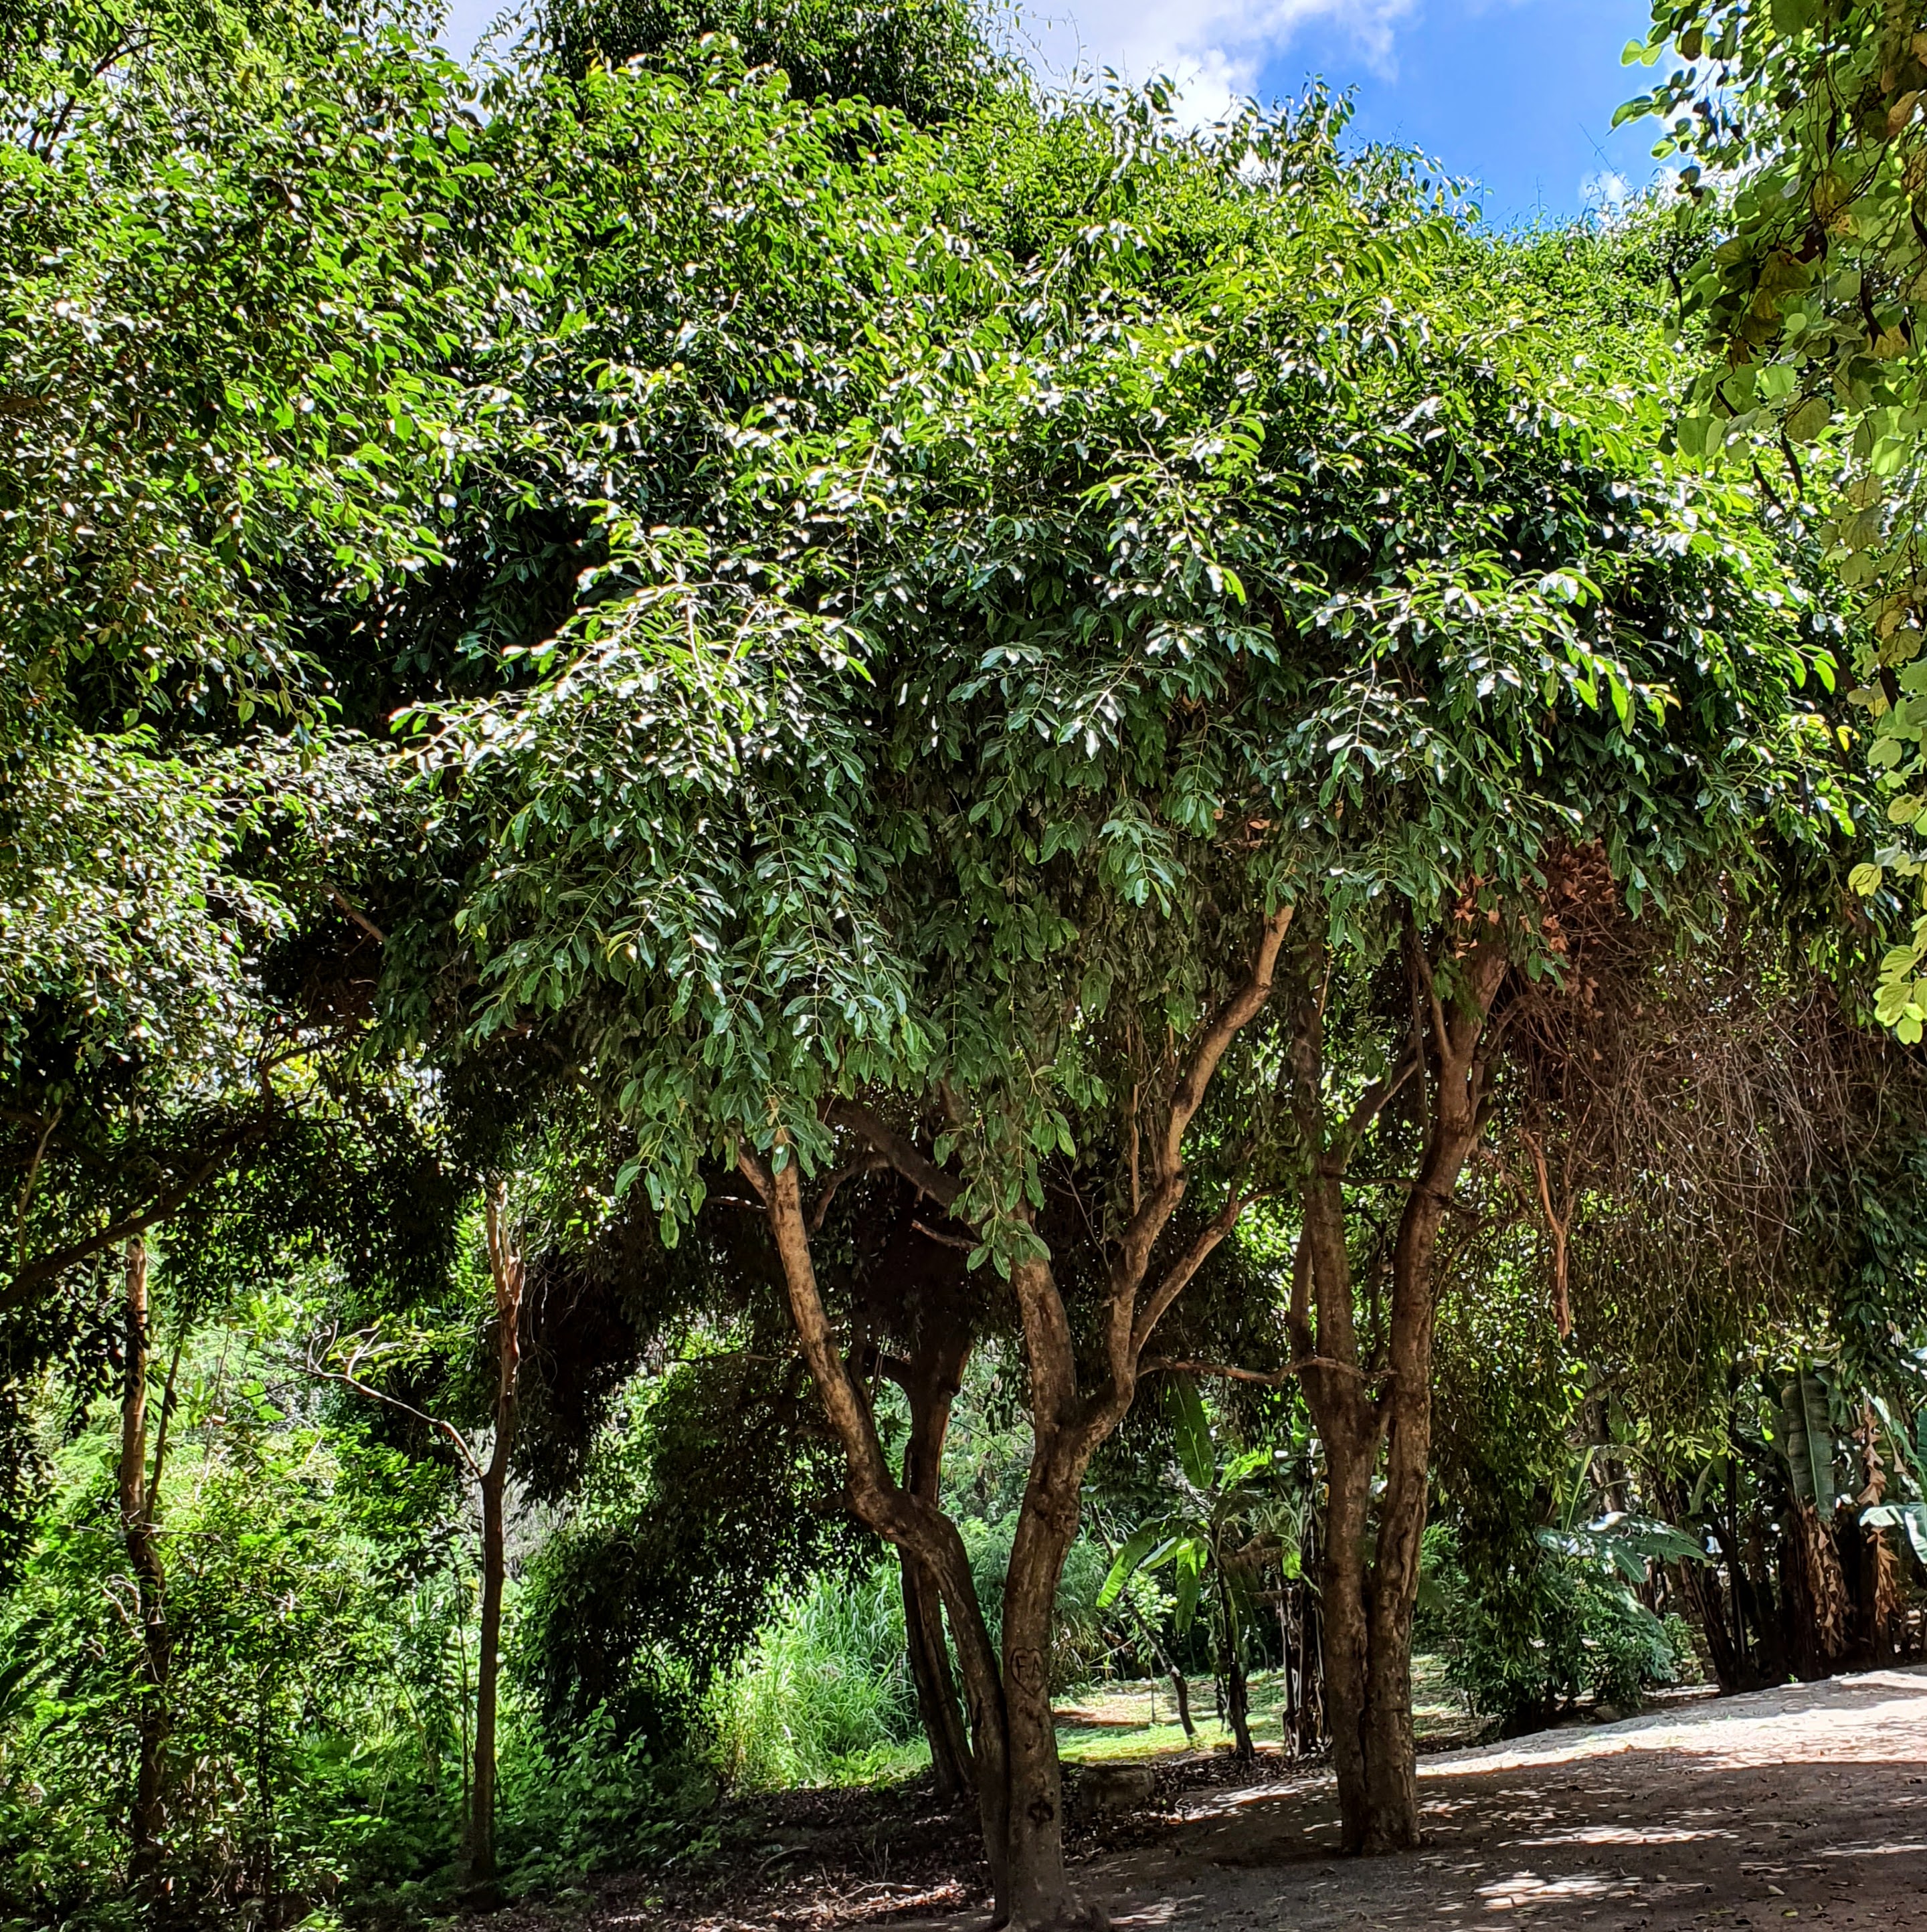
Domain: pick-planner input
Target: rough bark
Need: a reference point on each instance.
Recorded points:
(139, 1502)
(505, 1269)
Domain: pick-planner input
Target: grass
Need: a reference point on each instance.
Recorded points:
(1121, 1723)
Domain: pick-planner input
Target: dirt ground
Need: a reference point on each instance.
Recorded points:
(1807, 1803)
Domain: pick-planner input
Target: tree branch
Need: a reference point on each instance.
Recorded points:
(355, 913)
(924, 1175)
(29, 1277)
(866, 1163)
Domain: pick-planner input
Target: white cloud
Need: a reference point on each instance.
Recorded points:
(1214, 49)
(1605, 191)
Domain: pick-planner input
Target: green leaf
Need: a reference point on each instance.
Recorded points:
(1192, 1427)
(1137, 1546)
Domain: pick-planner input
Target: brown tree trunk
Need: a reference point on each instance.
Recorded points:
(1180, 1690)
(478, 1865)
(1349, 1461)
(138, 1502)
(932, 1377)
(1368, 1609)
(1040, 1891)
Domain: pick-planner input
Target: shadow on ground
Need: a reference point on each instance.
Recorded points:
(1808, 1803)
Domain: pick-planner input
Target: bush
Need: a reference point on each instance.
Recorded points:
(1521, 1646)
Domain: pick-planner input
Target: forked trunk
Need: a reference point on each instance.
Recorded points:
(139, 1502)
(1019, 1790)
(1361, 1409)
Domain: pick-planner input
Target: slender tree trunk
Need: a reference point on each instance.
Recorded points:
(139, 1502)
(932, 1377)
(1237, 1686)
(479, 1866)
(1180, 1690)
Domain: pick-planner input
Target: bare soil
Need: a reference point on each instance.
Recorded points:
(1806, 1803)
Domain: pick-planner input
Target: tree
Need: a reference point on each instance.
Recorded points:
(231, 283)
(1805, 153)
(930, 59)
(350, 1363)
(1130, 756)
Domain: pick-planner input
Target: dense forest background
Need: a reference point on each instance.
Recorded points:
(831, 896)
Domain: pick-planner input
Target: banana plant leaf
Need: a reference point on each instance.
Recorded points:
(1196, 1457)
(1139, 1548)
(1806, 1441)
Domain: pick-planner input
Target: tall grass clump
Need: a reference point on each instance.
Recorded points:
(824, 1695)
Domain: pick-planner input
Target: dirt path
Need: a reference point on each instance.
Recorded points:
(1806, 1803)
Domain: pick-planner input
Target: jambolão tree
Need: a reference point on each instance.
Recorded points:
(1114, 744)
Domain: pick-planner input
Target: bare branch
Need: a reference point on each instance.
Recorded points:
(349, 1377)
(1267, 1377)
(963, 1241)
(355, 913)
(864, 1163)
(924, 1175)
(1187, 1265)
(30, 1277)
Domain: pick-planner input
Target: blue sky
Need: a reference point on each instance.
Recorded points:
(1517, 94)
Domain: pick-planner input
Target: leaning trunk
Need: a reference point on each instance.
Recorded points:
(936, 1688)
(1237, 1687)
(137, 1530)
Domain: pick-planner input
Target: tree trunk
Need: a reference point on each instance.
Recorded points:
(1020, 1796)
(478, 1871)
(1040, 1893)
(1180, 1690)
(1349, 1466)
(1368, 1609)
(139, 1502)
(931, 1379)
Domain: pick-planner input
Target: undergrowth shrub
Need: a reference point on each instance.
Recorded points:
(824, 1694)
